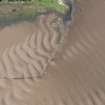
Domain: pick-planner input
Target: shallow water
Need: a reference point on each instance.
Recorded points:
(27, 54)
(78, 74)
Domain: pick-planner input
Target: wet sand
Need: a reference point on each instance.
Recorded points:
(78, 74)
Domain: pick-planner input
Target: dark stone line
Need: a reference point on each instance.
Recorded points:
(68, 15)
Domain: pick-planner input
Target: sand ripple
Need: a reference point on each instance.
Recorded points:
(32, 57)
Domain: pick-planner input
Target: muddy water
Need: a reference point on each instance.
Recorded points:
(30, 47)
(14, 33)
(76, 79)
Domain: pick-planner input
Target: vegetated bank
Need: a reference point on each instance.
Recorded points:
(14, 11)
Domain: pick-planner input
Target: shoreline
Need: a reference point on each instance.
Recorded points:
(30, 18)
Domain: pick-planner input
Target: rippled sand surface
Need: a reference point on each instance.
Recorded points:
(31, 57)
(76, 77)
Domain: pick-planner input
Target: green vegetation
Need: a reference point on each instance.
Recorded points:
(51, 4)
(19, 10)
